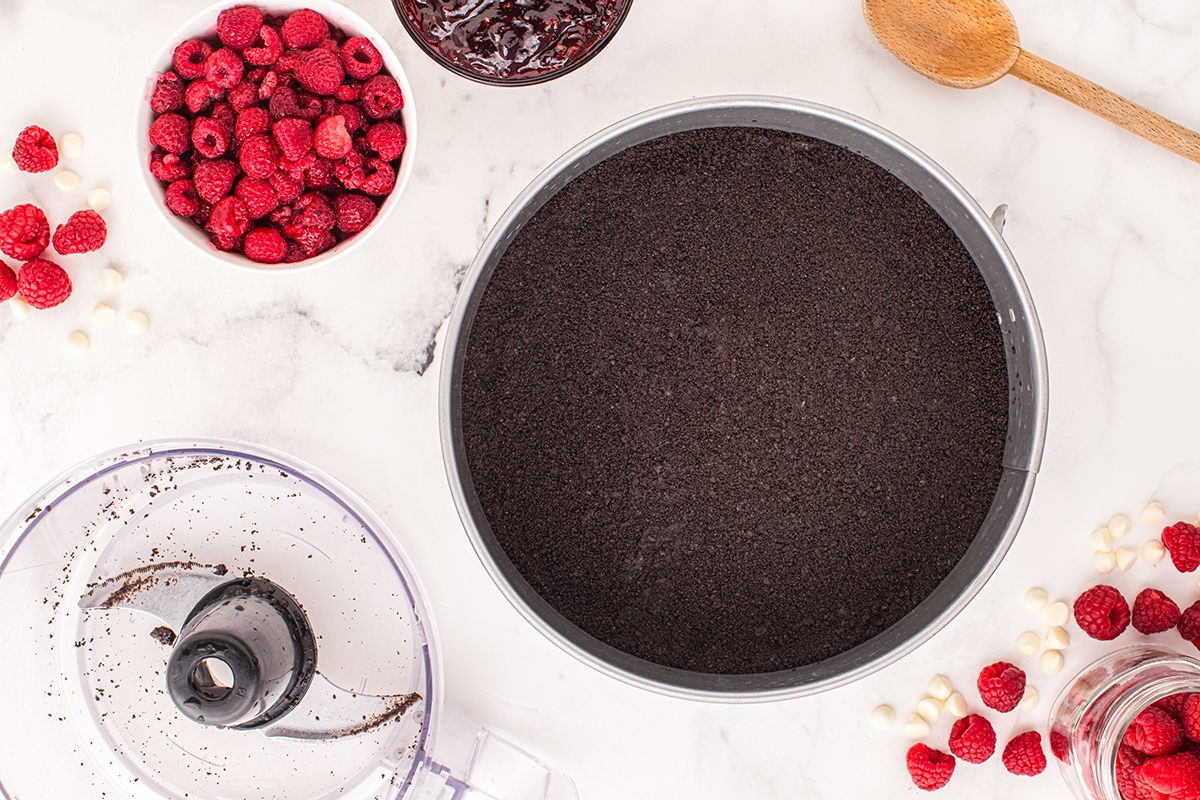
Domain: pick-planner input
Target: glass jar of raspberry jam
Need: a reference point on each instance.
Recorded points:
(1090, 716)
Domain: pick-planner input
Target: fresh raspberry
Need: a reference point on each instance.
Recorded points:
(360, 58)
(43, 284)
(388, 139)
(381, 180)
(270, 82)
(171, 132)
(269, 52)
(315, 211)
(929, 769)
(1183, 543)
(243, 96)
(320, 71)
(259, 197)
(310, 106)
(1129, 760)
(182, 198)
(1059, 746)
(331, 138)
(214, 179)
(84, 232)
(1153, 612)
(1023, 754)
(295, 253)
(304, 28)
(8, 282)
(1173, 704)
(1173, 777)
(210, 137)
(265, 245)
(189, 58)
(284, 103)
(226, 243)
(320, 174)
(1189, 717)
(288, 61)
(24, 232)
(238, 26)
(286, 187)
(168, 94)
(352, 114)
(294, 136)
(311, 240)
(281, 216)
(229, 218)
(349, 171)
(168, 167)
(1189, 622)
(200, 94)
(348, 92)
(297, 168)
(258, 156)
(1154, 732)
(35, 150)
(1102, 613)
(224, 68)
(1001, 686)
(972, 738)
(203, 212)
(381, 97)
(354, 212)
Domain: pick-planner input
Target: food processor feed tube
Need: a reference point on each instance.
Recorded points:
(210, 619)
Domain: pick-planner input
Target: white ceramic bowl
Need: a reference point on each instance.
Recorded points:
(204, 25)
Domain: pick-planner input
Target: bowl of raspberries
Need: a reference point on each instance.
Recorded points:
(276, 137)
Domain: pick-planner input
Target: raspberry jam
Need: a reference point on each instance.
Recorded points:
(511, 41)
(1090, 717)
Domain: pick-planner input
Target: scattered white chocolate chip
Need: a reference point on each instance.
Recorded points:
(1058, 613)
(1125, 558)
(7, 163)
(111, 278)
(939, 687)
(1118, 526)
(1051, 662)
(1029, 700)
(1101, 539)
(77, 343)
(1104, 561)
(929, 709)
(97, 199)
(71, 145)
(956, 704)
(103, 316)
(1028, 643)
(1153, 551)
(916, 728)
(20, 309)
(1057, 638)
(137, 323)
(66, 180)
(1035, 601)
(1152, 514)
(883, 717)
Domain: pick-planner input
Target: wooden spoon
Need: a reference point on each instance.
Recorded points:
(969, 43)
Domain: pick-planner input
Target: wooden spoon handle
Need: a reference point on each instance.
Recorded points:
(1112, 107)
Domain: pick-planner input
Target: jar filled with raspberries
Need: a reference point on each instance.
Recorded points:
(1128, 727)
(278, 135)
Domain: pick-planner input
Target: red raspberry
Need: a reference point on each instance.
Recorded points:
(182, 198)
(1023, 755)
(224, 68)
(331, 138)
(1173, 777)
(360, 58)
(84, 232)
(304, 28)
(381, 97)
(311, 240)
(1173, 704)
(1001, 686)
(1189, 717)
(1129, 760)
(296, 169)
(270, 83)
(266, 245)
(294, 136)
(929, 769)
(43, 284)
(288, 61)
(210, 137)
(1102, 613)
(214, 179)
(1189, 622)
(269, 52)
(171, 132)
(388, 139)
(284, 103)
(168, 167)
(238, 26)
(229, 218)
(35, 150)
(168, 94)
(251, 122)
(320, 71)
(226, 244)
(354, 212)
(189, 58)
(295, 253)
(1059, 746)
(1154, 732)
(8, 282)
(24, 232)
(352, 114)
(200, 94)
(244, 95)
(1183, 543)
(311, 107)
(320, 174)
(259, 156)
(259, 197)
(972, 738)
(286, 187)
(1153, 612)
(348, 91)
(315, 211)
(382, 180)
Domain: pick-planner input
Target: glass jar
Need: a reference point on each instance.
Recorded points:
(1091, 714)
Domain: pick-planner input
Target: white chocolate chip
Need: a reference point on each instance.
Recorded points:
(97, 199)
(929, 709)
(1028, 643)
(19, 308)
(71, 145)
(1153, 514)
(1101, 539)
(1104, 561)
(1058, 613)
(1057, 638)
(7, 163)
(66, 180)
(137, 323)
(77, 343)
(883, 717)
(111, 278)
(1125, 558)
(1051, 662)
(916, 728)
(103, 316)
(1029, 700)
(1035, 601)
(939, 687)
(1118, 526)
(1153, 551)
(956, 704)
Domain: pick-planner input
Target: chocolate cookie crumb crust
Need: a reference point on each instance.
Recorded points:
(735, 400)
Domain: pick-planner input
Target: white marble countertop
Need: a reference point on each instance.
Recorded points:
(339, 366)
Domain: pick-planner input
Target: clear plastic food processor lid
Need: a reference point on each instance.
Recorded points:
(208, 620)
